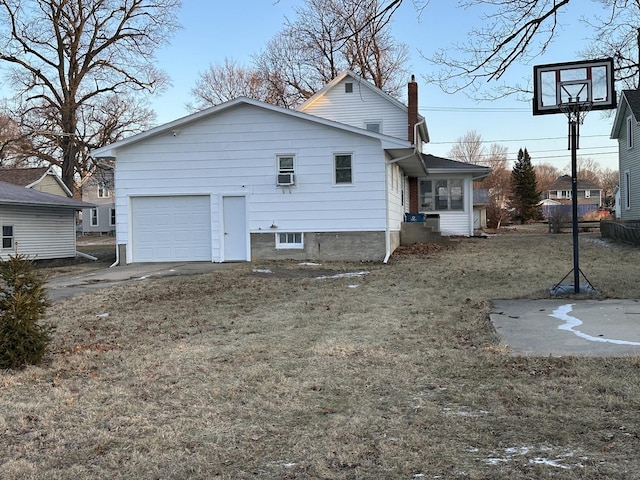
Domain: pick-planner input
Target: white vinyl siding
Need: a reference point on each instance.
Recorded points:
(359, 107)
(40, 232)
(216, 156)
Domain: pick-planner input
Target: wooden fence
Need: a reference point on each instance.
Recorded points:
(627, 232)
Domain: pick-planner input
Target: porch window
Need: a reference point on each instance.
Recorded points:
(7, 237)
(289, 241)
(441, 194)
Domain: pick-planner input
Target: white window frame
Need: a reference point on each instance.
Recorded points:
(627, 190)
(587, 194)
(10, 238)
(93, 217)
(289, 241)
(103, 190)
(286, 169)
(112, 217)
(335, 169)
(568, 194)
(377, 123)
(630, 124)
(450, 197)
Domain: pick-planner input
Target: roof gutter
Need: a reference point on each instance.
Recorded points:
(387, 233)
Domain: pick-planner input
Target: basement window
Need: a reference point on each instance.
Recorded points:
(289, 241)
(7, 237)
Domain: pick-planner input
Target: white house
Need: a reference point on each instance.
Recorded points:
(40, 225)
(246, 180)
(626, 130)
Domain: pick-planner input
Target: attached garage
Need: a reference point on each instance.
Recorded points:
(171, 228)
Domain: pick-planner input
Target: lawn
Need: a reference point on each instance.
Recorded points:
(275, 370)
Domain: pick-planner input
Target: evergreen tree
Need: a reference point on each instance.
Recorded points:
(525, 195)
(23, 301)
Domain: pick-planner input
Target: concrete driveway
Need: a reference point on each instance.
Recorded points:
(69, 285)
(558, 327)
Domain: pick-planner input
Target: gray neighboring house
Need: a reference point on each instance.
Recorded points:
(40, 225)
(627, 131)
(97, 189)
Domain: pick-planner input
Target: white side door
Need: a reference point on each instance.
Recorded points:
(235, 231)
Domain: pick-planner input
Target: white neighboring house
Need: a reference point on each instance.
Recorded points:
(246, 180)
(40, 225)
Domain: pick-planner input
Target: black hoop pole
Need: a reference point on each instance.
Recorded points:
(573, 126)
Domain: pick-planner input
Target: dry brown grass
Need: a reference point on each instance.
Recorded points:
(239, 374)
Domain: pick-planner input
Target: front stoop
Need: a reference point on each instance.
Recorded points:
(420, 232)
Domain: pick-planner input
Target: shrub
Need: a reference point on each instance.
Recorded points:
(23, 302)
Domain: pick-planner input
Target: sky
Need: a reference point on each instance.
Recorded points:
(239, 29)
(242, 28)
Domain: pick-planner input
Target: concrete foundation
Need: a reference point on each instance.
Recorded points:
(337, 246)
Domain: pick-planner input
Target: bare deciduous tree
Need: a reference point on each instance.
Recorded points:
(519, 31)
(546, 174)
(470, 149)
(72, 61)
(326, 37)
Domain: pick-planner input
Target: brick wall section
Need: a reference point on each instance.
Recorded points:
(412, 96)
(413, 195)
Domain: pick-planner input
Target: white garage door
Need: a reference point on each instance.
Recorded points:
(169, 229)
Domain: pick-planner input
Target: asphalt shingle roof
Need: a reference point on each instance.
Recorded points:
(11, 194)
(22, 176)
(633, 99)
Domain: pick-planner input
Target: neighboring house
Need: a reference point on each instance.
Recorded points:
(627, 131)
(97, 188)
(246, 180)
(559, 196)
(42, 179)
(40, 225)
(560, 191)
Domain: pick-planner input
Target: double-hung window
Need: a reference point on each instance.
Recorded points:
(103, 190)
(94, 217)
(7, 237)
(630, 124)
(441, 194)
(627, 190)
(343, 165)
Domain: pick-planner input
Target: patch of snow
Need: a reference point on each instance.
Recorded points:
(310, 264)
(144, 277)
(562, 313)
(343, 275)
(102, 315)
(261, 270)
(354, 285)
(512, 452)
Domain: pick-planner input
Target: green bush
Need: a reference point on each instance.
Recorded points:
(23, 302)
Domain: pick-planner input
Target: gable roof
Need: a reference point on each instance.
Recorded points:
(630, 101)
(11, 194)
(564, 183)
(391, 144)
(29, 177)
(445, 165)
(424, 133)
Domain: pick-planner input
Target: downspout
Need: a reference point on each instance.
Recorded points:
(117, 262)
(386, 190)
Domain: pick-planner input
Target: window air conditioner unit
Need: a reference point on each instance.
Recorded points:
(286, 179)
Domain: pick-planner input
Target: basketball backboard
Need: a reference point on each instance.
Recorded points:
(587, 85)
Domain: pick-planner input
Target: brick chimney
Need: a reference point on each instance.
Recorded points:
(412, 96)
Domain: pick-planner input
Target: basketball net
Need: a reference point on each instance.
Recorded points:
(576, 111)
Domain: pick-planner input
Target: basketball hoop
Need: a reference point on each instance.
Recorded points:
(574, 88)
(576, 111)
